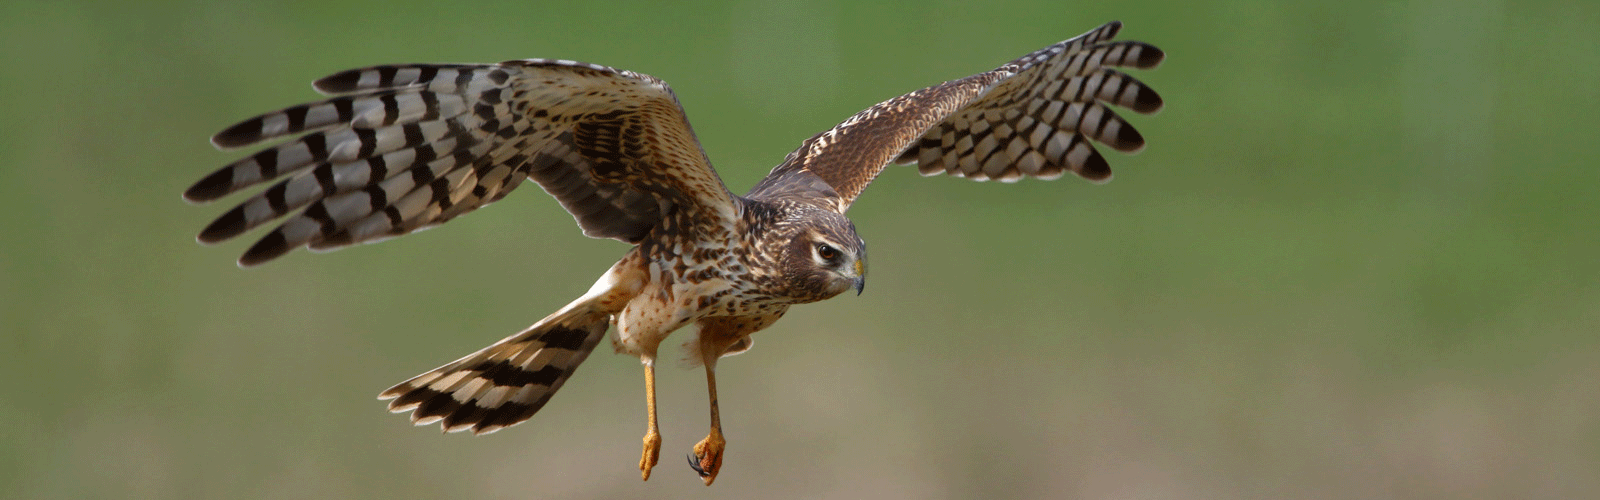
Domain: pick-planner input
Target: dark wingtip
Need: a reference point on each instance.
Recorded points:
(1112, 28)
(338, 83)
(271, 246)
(224, 228)
(1129, 140)
(213, 186)
(1150, 56)
(1148, 101)
(239, 135)
(1095, 169)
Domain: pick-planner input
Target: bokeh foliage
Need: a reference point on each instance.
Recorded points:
(1357, 260)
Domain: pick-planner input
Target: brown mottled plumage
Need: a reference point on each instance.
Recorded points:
(401, 148)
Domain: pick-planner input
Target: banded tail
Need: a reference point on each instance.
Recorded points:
(505, 383)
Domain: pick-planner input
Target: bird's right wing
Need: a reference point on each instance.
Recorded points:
(403, 148)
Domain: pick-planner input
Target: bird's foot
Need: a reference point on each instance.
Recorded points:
(707, 457)
(652, 451)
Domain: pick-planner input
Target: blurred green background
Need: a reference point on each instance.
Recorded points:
(1357, 260)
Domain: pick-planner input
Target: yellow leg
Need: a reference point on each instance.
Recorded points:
(707, 458)
(652, 434)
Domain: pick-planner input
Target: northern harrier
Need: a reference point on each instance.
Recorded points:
(402, 148)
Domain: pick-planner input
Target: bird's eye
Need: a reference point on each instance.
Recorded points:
(828, 252)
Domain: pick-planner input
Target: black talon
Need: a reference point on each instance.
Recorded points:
(695, 464)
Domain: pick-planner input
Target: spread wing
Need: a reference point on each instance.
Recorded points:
(1032, 117)
(403, 148)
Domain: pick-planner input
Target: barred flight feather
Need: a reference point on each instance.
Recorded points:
(1035, 116)
(405, 147)
(1038, 123)
(505, 383)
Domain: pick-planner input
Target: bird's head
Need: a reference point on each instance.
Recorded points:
(825, 257)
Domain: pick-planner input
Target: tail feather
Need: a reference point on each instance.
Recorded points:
(505, 383)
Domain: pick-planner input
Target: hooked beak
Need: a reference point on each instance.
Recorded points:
(861, 277)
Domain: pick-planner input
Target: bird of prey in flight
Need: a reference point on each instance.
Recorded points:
(400, 148)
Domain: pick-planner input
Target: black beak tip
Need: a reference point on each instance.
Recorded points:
(861, 285)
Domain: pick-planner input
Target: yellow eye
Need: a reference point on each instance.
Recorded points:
(828, 253)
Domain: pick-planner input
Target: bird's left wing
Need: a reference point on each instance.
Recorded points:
(1032, 117)
(403, 148)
